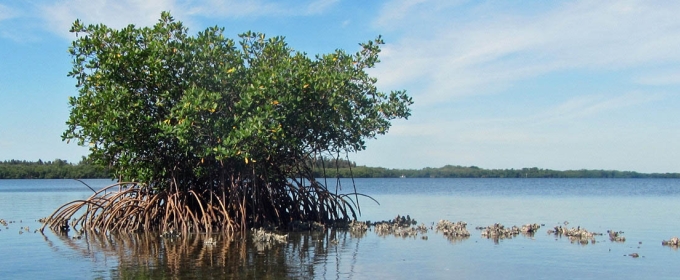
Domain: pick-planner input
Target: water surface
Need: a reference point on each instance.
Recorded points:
(645, 209)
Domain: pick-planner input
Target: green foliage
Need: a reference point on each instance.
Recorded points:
(166, 108)
(57, 169)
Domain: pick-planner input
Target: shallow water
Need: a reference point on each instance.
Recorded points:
(645, 209)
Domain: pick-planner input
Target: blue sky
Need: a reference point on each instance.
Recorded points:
(496, 84)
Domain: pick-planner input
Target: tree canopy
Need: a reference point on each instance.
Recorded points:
(203, 113)
(155, 103)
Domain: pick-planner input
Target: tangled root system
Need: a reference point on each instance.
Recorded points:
(130, 206)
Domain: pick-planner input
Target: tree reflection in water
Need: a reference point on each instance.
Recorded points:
(326, 254)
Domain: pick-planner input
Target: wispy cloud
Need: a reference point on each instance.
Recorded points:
(396, 11)
(59, 16)
(533, 126)
(6, 12)
(320, 6)
(581, 107)
(400, 14)
(118, 13)
(565, 135)
(459, 56)
(237, 9)
(660, 78)
(11, 25)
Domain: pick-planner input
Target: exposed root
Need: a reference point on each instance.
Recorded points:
(129, 207)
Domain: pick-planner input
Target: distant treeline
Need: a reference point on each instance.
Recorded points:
(61, 169)
(451, 171)
(57, 169)
(329, 162)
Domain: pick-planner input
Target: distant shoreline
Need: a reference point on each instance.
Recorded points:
(60, 169)
(57, 169)
(451, 171)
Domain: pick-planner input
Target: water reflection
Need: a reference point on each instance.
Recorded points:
(646, 219)
(327, 254)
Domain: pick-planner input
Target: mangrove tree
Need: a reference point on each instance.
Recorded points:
(206, 133)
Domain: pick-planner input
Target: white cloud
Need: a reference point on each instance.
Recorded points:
(572, 134)
(114, 13)
(11, 26)
(396, 11)
(257, 8)
(575, 122)
(398, 14)
(447, 55)
(581, 107)
(6, 12)
(457, 56)
(119, 13)
(320, 6)
(662, 78)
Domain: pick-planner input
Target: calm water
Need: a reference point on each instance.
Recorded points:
(645, 209)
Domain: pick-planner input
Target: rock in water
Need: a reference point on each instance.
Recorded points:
(673, 242)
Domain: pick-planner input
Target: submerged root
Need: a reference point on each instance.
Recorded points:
(262, 236)
(264, 240)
